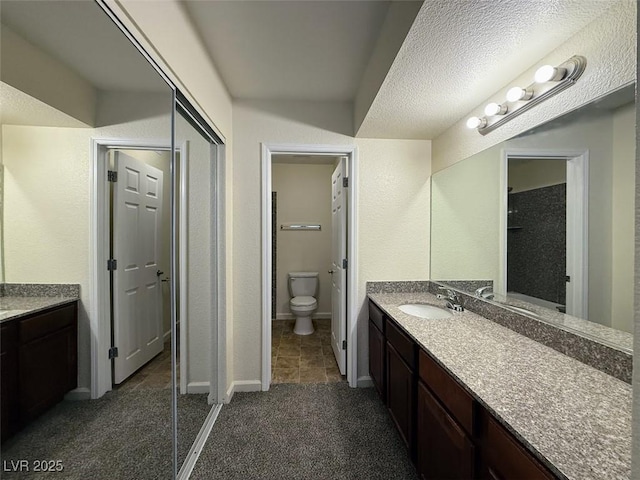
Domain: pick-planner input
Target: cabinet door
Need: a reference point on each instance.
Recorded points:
(46, 371)
(9, 419)
(444, 451)
(376, 359)
(400, 394)
(505, 458)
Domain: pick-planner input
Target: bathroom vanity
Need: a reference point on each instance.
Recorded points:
(473, 399)
(38, 357)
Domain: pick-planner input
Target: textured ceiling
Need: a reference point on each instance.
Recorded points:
(81, 36)
(459, 52)
(18, 108)
(297, 50)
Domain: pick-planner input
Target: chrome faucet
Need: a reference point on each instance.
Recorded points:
(454, 302)
(485, 292)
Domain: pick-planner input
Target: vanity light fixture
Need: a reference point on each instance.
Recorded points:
(516, 94)
(549, 73)
(549, 80)
(495, 109)
(476, 122)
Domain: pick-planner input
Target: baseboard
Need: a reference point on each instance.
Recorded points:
(290, 316)
(81, 393)
(244, 386)
(365, 382)
(198, 444)
(166, 336)
(198, 387)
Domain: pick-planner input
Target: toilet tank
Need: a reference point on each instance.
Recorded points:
(303, 284)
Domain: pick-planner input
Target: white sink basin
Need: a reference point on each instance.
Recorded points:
(425, 311)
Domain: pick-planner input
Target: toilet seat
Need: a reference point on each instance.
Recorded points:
(303, 302)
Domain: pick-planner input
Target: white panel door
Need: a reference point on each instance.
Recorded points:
(338, 273)
(137, 295)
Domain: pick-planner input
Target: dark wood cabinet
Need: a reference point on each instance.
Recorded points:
(504, 458)
(445, 452)
(400, 394)
(449, 435)
(9, 403)
(377, 359)
(401, 382)
(41, 367)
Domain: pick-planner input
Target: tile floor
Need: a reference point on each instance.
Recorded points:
(303, 358)
(155, 375)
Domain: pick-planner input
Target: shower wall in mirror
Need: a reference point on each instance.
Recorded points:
(70, 76)
(504, 215)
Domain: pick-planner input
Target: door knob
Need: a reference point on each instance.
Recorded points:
(331, 272)
(159, 272)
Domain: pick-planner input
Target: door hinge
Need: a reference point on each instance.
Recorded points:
(112, 176)
(344, 344)
(112, 264)
(345, 182)
(567, 278)
(113, 353)
(345, 263)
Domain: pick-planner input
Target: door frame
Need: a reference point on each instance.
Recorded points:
(100, 310)
(350, 151)
(577, 221)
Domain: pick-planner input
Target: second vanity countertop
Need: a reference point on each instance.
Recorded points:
(576, 419)
(16, 307)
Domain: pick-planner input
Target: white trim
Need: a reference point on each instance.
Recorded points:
(183, 236)
(198, 444)
(197, 387)
(577, 296)
(219, 369)
(350, 151)
(242, 386)
(291, 316)
(100, 309)
(365, 382)
(81, 393)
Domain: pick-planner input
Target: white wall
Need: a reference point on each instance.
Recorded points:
(304, 196)
(393, 209)
(608, 43)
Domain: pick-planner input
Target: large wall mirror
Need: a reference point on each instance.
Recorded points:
(78, 100)
(547, 220)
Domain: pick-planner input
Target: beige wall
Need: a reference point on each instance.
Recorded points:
(608, 43)
(622, 217)
(304, 196)
(532, 174)
(24, 66)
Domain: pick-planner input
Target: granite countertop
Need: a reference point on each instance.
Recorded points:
(574, 418)
(13, 307)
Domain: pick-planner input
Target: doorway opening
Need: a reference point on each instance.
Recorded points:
(544, 231)
(308, 239)
(139, 335)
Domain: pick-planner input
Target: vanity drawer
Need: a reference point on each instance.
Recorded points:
(47, 322)
(450, 393)
(376, 316)
(402, 343)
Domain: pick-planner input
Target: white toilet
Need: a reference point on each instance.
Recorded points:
(303, 288)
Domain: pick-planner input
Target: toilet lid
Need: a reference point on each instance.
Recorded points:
(303, 301)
